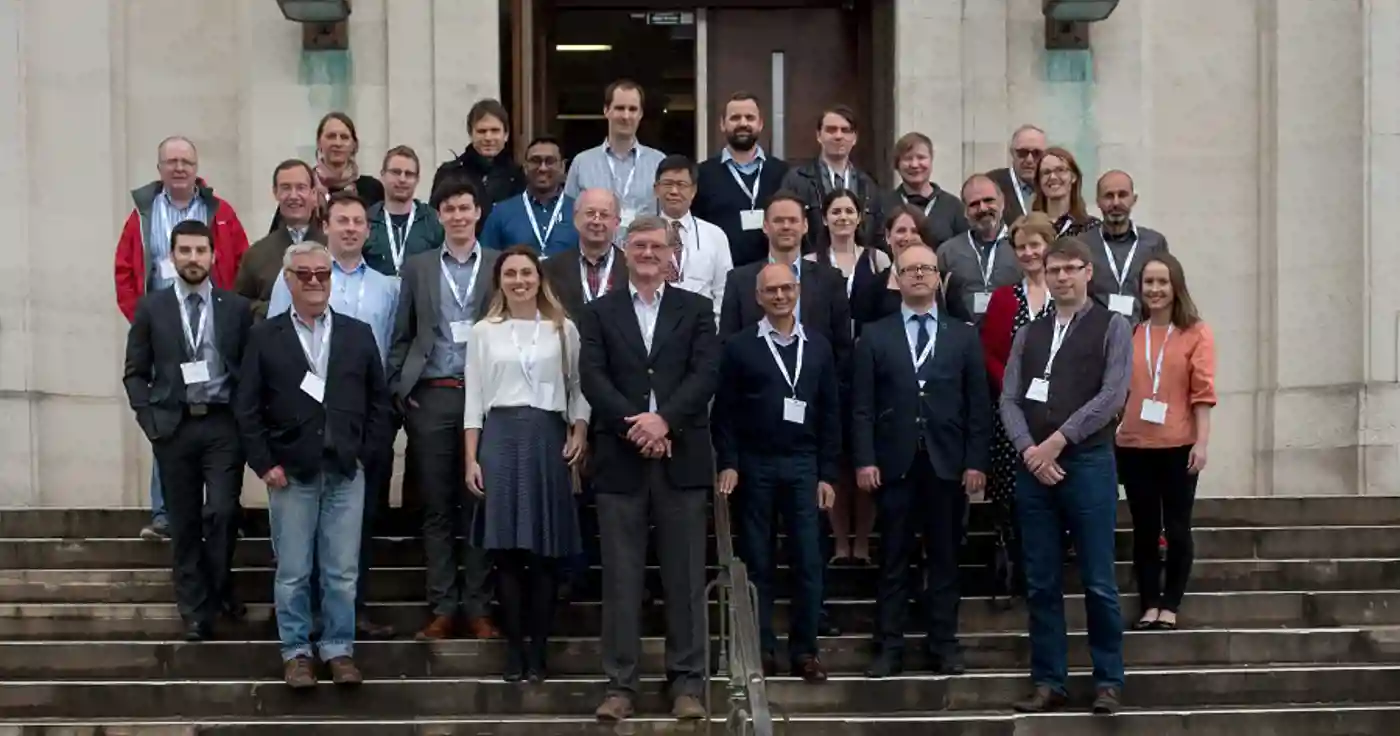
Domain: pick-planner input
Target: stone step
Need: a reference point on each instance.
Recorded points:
(1260, 721)
(1234, 543)
(1208, 512)
(152, 585)
(97, 660)
(1230, 609)
(399, 698)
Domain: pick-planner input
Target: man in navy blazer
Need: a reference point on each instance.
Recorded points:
(922, 423)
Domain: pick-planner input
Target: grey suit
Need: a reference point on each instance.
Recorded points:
(420, 306)
(1149, 243)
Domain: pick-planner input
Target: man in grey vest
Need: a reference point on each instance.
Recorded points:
(1120, 247)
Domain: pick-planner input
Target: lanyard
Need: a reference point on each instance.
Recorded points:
(196, 338)
(797, 373)
(1056, 340)
(397, 248)
(305, 337)
(612, 170)
(462, 300)
(1127, 262)
(990, 263)
(360, 297)
(921, 358)
(527, 360)
(851, 279)
(927, 207)
(553, 217)
(604, 276)
(753, 193)
(1147, 343)
(1020, 195)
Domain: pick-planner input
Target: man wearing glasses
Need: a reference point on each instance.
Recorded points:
(542, 216)
(401, 226)
(1066, 380)
(922, 426)
(1017, 182)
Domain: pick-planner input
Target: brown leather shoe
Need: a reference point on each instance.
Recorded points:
(482, 628)
(344, 671)
(1108, 701)
(298, 673)
(688, 708)
(439, 628)
(1043, 700)
(614, 708)
(810, 669)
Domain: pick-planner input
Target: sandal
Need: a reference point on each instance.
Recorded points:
(1143, 624)
(1163, 625)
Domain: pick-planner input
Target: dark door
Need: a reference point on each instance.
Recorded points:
(819, 69)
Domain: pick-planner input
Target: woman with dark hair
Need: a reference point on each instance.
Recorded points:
(904, 227)
(1164, 435)
(337, 143)
(526, 424)
(1057, 193)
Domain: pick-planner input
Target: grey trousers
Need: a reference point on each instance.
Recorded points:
(623, 521)
(435, 445)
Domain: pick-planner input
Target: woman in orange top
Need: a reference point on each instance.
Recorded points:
(1166, 428)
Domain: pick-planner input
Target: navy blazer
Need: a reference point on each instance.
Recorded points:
(886, 398)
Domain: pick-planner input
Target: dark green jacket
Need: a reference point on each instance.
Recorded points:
(424, 234)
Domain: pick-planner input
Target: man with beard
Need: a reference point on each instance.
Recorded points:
(542, 216)
(294, 187)
(182, 368)
(976, 262)
(620, 163)
(1120, 247)
(487, 163)
(400, 226)
(837, 132)
(733, 186)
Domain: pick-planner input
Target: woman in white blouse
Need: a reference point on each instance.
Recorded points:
(526, 427)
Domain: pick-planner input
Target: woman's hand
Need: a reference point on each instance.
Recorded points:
(1197, 461)
(474, 483)
(576, 448)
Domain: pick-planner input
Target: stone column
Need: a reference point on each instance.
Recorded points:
(928, 72)
(466, 44)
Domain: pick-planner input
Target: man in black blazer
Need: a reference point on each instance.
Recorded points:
(1017, 182)
(443, 292)
(732, 187)
(580, 275)
(648, 366)
(837, 132)
(182, 369)
(922, 426)
(313, 409)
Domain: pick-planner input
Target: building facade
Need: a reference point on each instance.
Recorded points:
(1264, 136)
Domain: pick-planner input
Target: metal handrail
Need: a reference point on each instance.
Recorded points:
(740, 652)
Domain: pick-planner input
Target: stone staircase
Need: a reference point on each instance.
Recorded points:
(1292, 627)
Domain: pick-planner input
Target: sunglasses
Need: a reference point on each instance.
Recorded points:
(307, 275)
(1031, 153)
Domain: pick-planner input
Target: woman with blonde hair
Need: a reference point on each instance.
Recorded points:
(526, 424)
(1058, 182)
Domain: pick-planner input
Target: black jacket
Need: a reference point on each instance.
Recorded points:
(944, 215)
(498, 178)
(824, 308)
(809, 183)
(564, 273)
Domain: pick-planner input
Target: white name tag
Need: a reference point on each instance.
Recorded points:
(196, 372)
(544, 395)
(751, 219)
(980, 300)
(1121, 303)
(166, 269)
(794, 411)
(1039, 390)
(1154, 411)
(461, 331)
(313, 386)
(628, 215)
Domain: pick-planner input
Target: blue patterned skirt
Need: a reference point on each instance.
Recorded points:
(529, 495)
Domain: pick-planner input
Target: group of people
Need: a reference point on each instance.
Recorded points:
(602, 344)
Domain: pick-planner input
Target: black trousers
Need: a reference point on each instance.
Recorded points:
(379, 475)
(919, 502)
(201, 469)
(1161, 494)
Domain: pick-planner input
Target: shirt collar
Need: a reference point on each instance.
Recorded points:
(183, 289)
(766, 328)
(1001, 235)
(602, 260)
(637, 297)
(908, 314)
(1129, 236)
(451, 259)
(357, 269)
(635, 150)
(725, 155)
(299, 234)
(319, 322)
(546, 203)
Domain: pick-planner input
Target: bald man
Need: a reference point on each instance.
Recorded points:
(580, 275)
(1120, 247)
(976, 262)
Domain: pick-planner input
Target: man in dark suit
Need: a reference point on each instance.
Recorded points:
(648, 366)
(443, 293)
(596, 267)
(1017, 183)
(294, 187)
(922, 426)
(732, 186)
(182, 369)
(313, 409)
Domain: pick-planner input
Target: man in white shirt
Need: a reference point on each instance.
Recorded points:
(701, 261)
(621, 163)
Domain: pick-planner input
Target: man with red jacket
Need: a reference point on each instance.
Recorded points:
(143, 252)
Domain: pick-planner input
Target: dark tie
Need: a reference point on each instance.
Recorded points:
(921, 342)
(194, 306)
(595, 276)
(678, 245)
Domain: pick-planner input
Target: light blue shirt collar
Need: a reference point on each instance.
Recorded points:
(908, 314)
(766, 328)
(725, 155)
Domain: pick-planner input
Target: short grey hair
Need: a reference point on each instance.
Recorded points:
(305, 247)
(1027, 128)
(160, 147)
(612, 197)
(646, 224)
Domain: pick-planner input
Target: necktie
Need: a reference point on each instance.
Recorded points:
(678, 248)
(594, 271)
(194, 307)
(921, 341)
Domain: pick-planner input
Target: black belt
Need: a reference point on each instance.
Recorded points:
(201, 410)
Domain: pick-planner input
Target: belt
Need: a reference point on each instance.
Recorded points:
(443, 382)
(201, 410)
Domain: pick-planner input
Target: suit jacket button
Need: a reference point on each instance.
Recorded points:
(650, 371)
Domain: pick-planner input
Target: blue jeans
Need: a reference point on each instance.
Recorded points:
(787, 485)
(157, 495)
(1085, 503)
(317, 523)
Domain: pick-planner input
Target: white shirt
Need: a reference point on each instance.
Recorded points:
(496, 378)
(705, 259)
(646, 321)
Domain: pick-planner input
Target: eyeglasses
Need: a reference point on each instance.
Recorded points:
(1066, 270)
(307, 275)
(673, 185)
(403, 173)
(542, 162)
(778, 289)
(1031, 153)
(591, 215)
(920, 269)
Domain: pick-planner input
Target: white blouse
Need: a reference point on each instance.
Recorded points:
(497, 357)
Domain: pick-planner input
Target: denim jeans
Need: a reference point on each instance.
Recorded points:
(1085, 503)
(157, 494)
(787, 485)
(317, 523)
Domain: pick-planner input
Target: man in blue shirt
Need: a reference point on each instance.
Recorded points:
(542, 216)
(369, 296)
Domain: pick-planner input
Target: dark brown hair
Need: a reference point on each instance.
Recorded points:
(344, 120)
(293, 163)
(1068, 249)
(622, 84)
(1184, 312)
(904, 209)
(1077, 211)
(844, 111)
(342, 198)
(488, 107)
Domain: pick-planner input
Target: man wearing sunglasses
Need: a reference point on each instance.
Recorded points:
(542, 216)
(1017, 182)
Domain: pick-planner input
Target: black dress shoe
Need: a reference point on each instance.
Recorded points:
(1043, 700)
(198, 631)
(885, 665)
(515, 664)
(234, 610)
(825, 626)
(947, 664)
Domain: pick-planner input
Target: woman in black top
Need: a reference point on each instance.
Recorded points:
(879, 296)
(337, 143)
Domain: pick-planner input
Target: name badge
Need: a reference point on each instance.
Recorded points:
(196, 372)
(1154, 412)
(1039, 390)
(166, 269)
(1121, 303)
(628, 215)
(794, 411)
(313, 386)
(461, 331)
(751, 219)
(544, 395)
(980, 300)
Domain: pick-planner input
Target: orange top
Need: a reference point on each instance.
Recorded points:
(1188, 379)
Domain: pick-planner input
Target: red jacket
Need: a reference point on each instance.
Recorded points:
(230, 242)
(998, 330)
